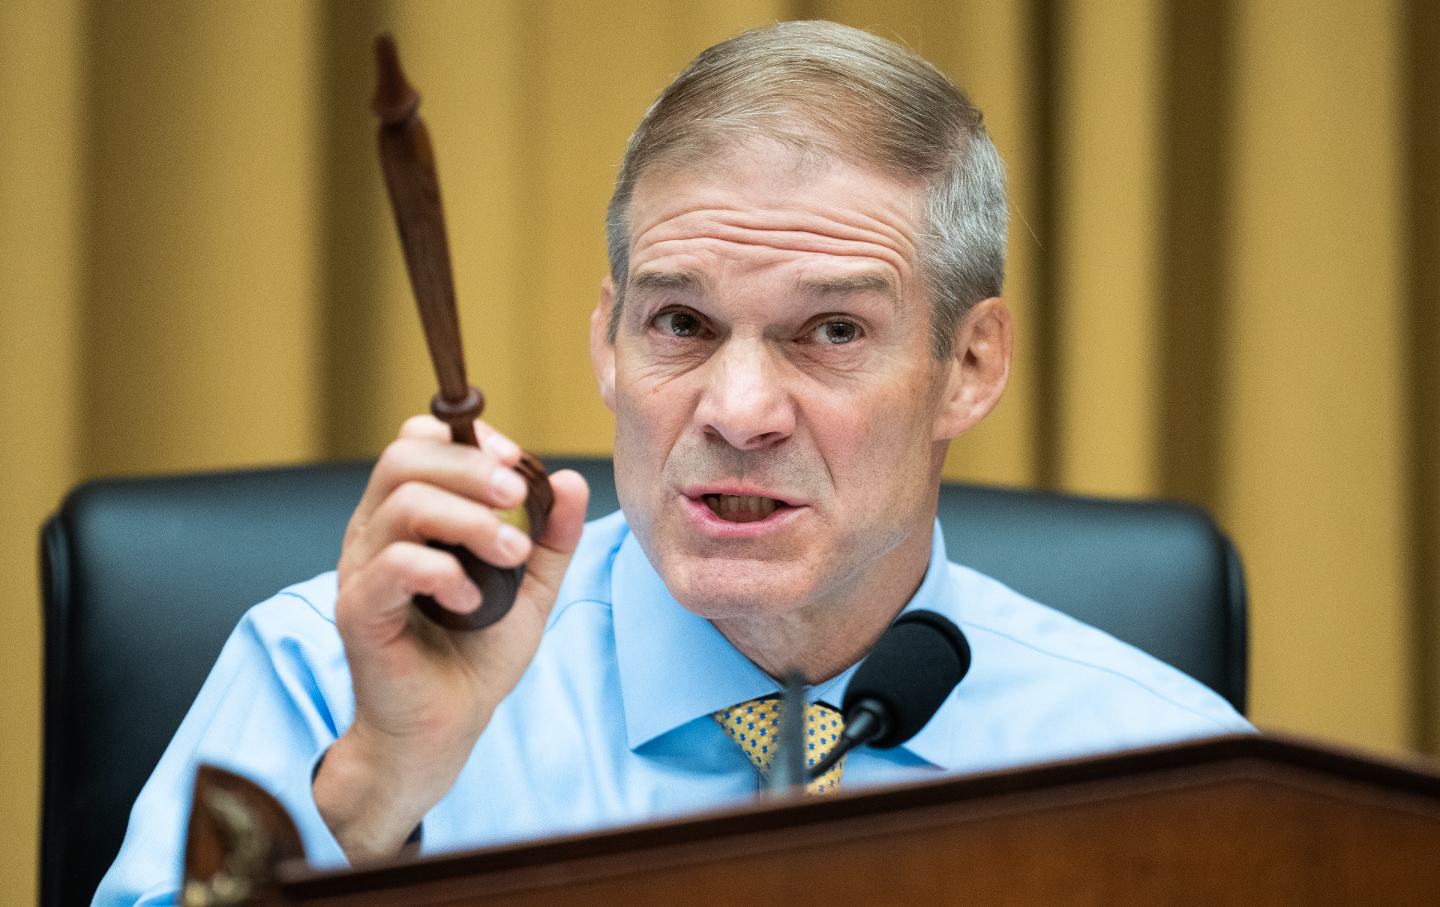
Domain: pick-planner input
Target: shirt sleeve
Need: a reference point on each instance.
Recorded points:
(278, 696)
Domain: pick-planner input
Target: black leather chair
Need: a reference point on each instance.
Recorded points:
(144, 578)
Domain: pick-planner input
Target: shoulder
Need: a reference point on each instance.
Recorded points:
(1043, 672)
(290, 639)
(300, 619)
(302, 615)
(300, 604)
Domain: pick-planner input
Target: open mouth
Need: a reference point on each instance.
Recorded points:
(737, 508)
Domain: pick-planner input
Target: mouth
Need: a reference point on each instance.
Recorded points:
(737, 508)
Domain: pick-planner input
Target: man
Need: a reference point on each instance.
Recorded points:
(807, 245)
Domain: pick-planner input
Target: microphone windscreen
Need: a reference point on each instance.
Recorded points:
(910, 672)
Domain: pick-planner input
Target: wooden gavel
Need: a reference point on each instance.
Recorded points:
(409, 164)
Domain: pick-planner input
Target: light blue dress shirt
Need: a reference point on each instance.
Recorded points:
(612, 722)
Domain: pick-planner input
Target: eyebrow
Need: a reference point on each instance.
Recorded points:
(849, 285)
(652, 281)
(687, 282)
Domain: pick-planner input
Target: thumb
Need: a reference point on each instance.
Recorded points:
(550, 558)
(503, 650)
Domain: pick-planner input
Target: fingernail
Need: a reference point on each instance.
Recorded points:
(502, 447)
(512, 541)
(507, 484)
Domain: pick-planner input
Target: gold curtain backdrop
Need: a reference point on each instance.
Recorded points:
(1225, 269)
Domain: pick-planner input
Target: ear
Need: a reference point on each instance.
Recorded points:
(978, 369)
(602, 351)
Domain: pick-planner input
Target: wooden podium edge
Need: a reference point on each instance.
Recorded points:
(1253, 756)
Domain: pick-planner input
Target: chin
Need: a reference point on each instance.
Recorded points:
(717, 589)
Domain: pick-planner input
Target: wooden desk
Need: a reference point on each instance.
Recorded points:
(1233, 820)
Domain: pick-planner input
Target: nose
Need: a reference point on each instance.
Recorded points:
(744, 401)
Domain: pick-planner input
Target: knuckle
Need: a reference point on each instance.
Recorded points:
(477, 525)
(395, 559)
(419, 426)
(394, 457)
(448, 571)
(409, 566)
(409, 496)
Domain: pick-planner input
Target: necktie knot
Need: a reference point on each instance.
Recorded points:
(755, 728)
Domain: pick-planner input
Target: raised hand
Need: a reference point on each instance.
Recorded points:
(423, 694)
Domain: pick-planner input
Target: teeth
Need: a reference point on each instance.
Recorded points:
(740, 508)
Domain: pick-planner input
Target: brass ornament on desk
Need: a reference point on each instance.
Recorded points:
(408, 160)
(238, 835)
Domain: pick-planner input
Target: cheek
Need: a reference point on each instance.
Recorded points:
(648, 415)
(648, 421)
(878, 444)
(632, 459)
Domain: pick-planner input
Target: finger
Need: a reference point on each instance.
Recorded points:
(519, 632)
(429, 428)
(551, 557)
(420, 512)
(425, 428)
(478, 474)
(496, 442)
(373, 607)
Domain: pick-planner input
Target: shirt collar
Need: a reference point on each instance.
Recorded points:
(676, 667)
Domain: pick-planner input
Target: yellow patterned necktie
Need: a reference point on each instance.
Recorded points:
(755, 727)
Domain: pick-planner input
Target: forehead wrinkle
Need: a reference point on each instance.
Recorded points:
(779, 241)
(758, 224)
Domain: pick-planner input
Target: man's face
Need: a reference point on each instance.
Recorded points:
(779, 415)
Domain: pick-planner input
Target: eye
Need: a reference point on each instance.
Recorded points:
(679, 323)
(836, 331)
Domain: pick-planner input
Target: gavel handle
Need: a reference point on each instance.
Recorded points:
(408, 160)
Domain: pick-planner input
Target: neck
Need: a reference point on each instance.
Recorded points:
(822, 639)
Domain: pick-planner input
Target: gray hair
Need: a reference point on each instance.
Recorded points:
(827, 89)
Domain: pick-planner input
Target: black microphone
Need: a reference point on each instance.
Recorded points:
(787, 770)
(900, 684)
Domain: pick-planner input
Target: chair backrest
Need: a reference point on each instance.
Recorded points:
(145, 578)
